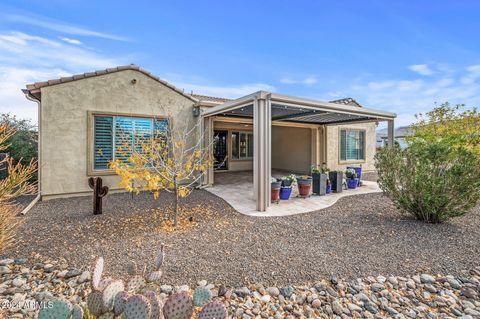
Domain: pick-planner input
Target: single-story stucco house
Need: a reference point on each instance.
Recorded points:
(258, 132)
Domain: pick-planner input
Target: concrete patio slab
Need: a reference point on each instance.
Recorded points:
(237, 190)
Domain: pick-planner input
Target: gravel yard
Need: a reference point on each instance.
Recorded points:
(359, 236)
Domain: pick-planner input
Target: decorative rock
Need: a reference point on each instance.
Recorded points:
(202, 283)
(337, 307)
(166, 289)
(317, 303)
(4, 270)
(73, 273)
(469, 293)
(6, 262)
(287, 291)
(84, 277)
(273, 291)
(427, 279)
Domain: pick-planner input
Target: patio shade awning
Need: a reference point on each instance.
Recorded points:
(294, 109)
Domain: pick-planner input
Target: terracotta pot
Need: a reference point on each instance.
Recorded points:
(304, 190)
(275, 195)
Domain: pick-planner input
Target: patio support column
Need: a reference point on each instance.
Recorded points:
(391, 133)
(208, 136)
(315, 146)
(262, 128)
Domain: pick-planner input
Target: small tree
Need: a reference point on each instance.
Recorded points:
(163, 162)
(438, 175)
(453, 125)
(14, 185)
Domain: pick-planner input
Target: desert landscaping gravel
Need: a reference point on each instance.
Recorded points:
(359, 236)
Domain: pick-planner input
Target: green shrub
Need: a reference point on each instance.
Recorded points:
(433, 181)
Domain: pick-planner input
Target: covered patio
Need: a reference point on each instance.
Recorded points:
(265, 109)
(236, 188)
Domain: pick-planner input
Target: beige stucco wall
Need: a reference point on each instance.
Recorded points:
(333, 143)
(64, 122)
(291, 149)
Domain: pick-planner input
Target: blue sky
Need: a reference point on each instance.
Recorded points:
(400, 56)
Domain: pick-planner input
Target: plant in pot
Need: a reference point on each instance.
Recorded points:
(358, 171)
(275, 186)
(286, 189)
(336, 180)
(304, 183)
(352, 180)
(319, 177)
(328, 188)
(288, 180)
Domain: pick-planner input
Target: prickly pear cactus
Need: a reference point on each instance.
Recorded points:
(95, 303)
(110, 292)
(213, 310)
(97, 273)
(132, 268)
(108, 315)
(155, 276)
(178, 306)
(59, 309)
(160, 257)
(104, 283)
(155, 305)
(135, 283)
(137, 307)
(77, 312)
(201, 296)
(119, 303)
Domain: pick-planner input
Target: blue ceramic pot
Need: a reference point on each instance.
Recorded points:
(328, 189)
(285, 193)
(352, 183)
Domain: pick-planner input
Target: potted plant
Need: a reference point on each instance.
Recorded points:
(275, 186)
(288, 180)
(336, 179)
(304, 183)
(286, 189)
(319, 177)
(352, 180)
(358, 171)
(328, 188)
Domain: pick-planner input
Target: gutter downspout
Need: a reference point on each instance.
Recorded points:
(39, 171)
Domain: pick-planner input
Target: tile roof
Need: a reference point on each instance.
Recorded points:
(346, 101)
(38, 85)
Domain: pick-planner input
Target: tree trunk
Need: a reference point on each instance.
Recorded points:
(175, 212)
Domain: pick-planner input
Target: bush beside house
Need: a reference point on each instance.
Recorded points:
(437, 176)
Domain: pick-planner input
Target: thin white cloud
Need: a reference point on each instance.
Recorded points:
(309, 80)
(26, 58)
(409, 97)
(422, 69)
(61, 27)
(71, 41)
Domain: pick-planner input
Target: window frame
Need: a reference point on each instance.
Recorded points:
(91, 171)
(239, 132)
(351, 161)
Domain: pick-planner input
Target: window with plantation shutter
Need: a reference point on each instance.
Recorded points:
(116, 136)
(352, 145)
(103, 142)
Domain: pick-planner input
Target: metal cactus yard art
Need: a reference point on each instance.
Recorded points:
(99, 191)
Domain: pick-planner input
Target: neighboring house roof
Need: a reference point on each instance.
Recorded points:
(207, 98)
(346, 101)
(33, 88)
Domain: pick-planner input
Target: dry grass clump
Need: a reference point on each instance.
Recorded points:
(14, 185)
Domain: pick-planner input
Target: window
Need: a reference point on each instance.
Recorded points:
(242, 145)
(352, 145)
(114, 135)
